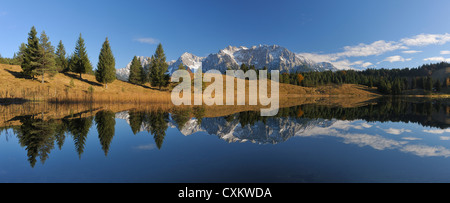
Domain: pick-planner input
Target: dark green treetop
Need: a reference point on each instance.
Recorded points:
(106, 67)
(46, 59)
(136, 72)
(31, 54)
(81, 60)
(61, 59)
(158, 70)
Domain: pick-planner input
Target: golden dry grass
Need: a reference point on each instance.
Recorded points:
(69, 95)
(293, 91)
(46, 110)
(69, 88)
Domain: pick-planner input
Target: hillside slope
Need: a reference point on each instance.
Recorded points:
(69, 87)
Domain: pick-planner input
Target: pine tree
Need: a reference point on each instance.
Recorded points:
(31, 54)
(71, 62)
(79, 129)
(414, 83)
(136, 72)
(437, 86)
(429, 84)
(158, 124)
(136, 118)
(46, 57)
(81, 61)
(18, 57)
(244, 67)
(105, 127)
(37, 136)
(61, 60)
(158, 69)
(106, 67)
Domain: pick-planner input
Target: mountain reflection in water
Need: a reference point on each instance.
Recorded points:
(39, 134)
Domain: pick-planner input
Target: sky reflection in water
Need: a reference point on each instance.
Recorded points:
(303, 144)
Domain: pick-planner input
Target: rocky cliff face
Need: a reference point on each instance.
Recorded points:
(273, 57)
(190, 61)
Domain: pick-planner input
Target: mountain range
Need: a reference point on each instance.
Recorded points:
(273, 57)
(275, 130)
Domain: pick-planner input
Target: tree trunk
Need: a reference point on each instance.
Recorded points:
(106, 85)
(42, 77)
(80, 76)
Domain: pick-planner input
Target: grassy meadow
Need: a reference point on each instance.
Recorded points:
(69, 88)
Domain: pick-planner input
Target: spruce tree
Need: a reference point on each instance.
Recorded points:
(106, 67)
(46, 57)
(437, 86)
(71, 62)
(79, 129)
(61, 60)
(244, 67)
(158, 124)
(105, 127)
(31, 54)
(81, 61)
(157, 75)
(136, 72)
(18, 59)
(429, 84)
(136, 118)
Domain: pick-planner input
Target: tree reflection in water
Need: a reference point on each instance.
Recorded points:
(38, 135)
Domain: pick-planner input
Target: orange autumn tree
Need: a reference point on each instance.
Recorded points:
(300, 113)
(300, 78)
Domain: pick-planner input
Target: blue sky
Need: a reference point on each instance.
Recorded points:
(348, 33)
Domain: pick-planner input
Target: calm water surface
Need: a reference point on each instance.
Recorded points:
(385, 141)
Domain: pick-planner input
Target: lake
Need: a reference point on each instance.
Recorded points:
(383, 140)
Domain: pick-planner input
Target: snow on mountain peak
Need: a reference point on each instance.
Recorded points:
(274, 57)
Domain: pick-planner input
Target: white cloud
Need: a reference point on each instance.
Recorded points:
(395, 131)
(426, 151)
(426, 39)
(411, 138)
(341, 61)
(437, 131)
(375, 141)
(445, 52)
(331, 58)
(437, 58)
(376, 48)
(397, 58)
(320, 57)
(339, 129)
(362, 50)
(444, 137)
(344, 64)
(147, 40)
(411, 52)
(367, 64)
(366, 125)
